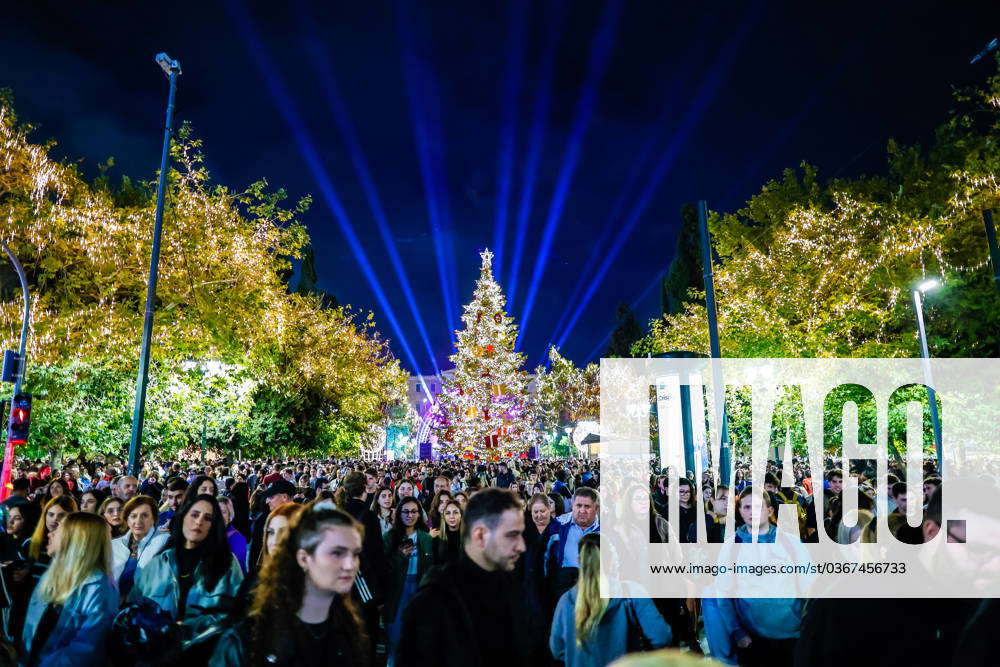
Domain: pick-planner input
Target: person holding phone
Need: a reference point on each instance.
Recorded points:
(409, 549)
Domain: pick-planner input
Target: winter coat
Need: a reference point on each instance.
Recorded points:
(159, 582)
(150, 545)
(610, 638)
(79, 636)
(398, 566)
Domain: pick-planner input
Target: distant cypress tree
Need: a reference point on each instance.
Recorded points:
(685, 269)
(309, 280)
(628, 332)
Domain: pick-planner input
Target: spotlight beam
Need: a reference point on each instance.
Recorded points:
(426, 127)
(293, 119)
(635, 304)
(536, 139)
(703, 98)
(597, 62)
(510, 102)
(331, 92)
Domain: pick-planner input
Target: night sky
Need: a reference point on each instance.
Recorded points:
(420, 116)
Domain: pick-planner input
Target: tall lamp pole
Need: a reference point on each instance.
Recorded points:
(172, 69)
(8, 455)
(918, 307)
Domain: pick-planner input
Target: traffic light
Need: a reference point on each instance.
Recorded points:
(20, 419)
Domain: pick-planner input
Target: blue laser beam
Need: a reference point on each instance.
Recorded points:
(635, 304)
(597, 63)
(421, 90)
(705, 94)
(536, 139)
(293, 119)
(320, 59)
(510, 100)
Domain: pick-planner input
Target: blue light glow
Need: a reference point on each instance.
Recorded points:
(421, 88)
(320, 60)
(597, 62)
(282, 99)
(510, 99)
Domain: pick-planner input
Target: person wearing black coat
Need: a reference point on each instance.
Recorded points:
(448, 623)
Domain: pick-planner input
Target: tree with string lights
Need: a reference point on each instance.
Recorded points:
(485, 409)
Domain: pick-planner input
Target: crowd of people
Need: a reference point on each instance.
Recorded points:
(401, 563)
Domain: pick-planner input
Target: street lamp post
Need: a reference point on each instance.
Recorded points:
(918, 307)
(172, 69)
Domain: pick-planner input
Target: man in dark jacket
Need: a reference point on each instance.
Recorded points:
(471, 612)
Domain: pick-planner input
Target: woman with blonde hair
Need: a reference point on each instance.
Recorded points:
(591, 631)
(36, 548)
(72, 608)
(303, 612)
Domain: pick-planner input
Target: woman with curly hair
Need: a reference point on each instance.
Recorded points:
(303, 613)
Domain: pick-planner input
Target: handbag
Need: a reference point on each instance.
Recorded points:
(143, 632)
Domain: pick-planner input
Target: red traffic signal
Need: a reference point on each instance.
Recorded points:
(20, 419)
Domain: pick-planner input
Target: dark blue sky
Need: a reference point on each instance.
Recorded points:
(659, 102)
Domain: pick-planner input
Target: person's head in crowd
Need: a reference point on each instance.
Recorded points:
(586, 505)
(405, 488)
(771, 483)
(744, 504)
(462, 498)
(320, 558)
(541, 507)
(227, 509)
(198, 526)
(685, 492)
(382, 503)
(278, 493)
(720, 503)
(276, 526)
(90, 501)
(111, 511)
(408, 518)
(20, 487)
(127, 487)
(437, 506)
(174, 493)
(835, 479)
(371, 481)
(901, 495)
(53, 513)
(22, 520)
(56, 488)
(930, 486)
(140, 514)
(79, 546)
(203, 485)
(441, 483)
(352, 487)
(451, 518)
(492, 530)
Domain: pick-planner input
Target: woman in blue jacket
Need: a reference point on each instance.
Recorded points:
(591, 631)
(74, 604)
(195, 578)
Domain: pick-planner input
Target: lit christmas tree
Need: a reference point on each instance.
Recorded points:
(485, 410)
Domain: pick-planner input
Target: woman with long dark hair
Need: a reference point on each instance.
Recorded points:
(410, 552)
(195, 578)
(303, 613)
(111, 510)
(448, 541)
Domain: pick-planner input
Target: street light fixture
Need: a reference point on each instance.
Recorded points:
(918, 292)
